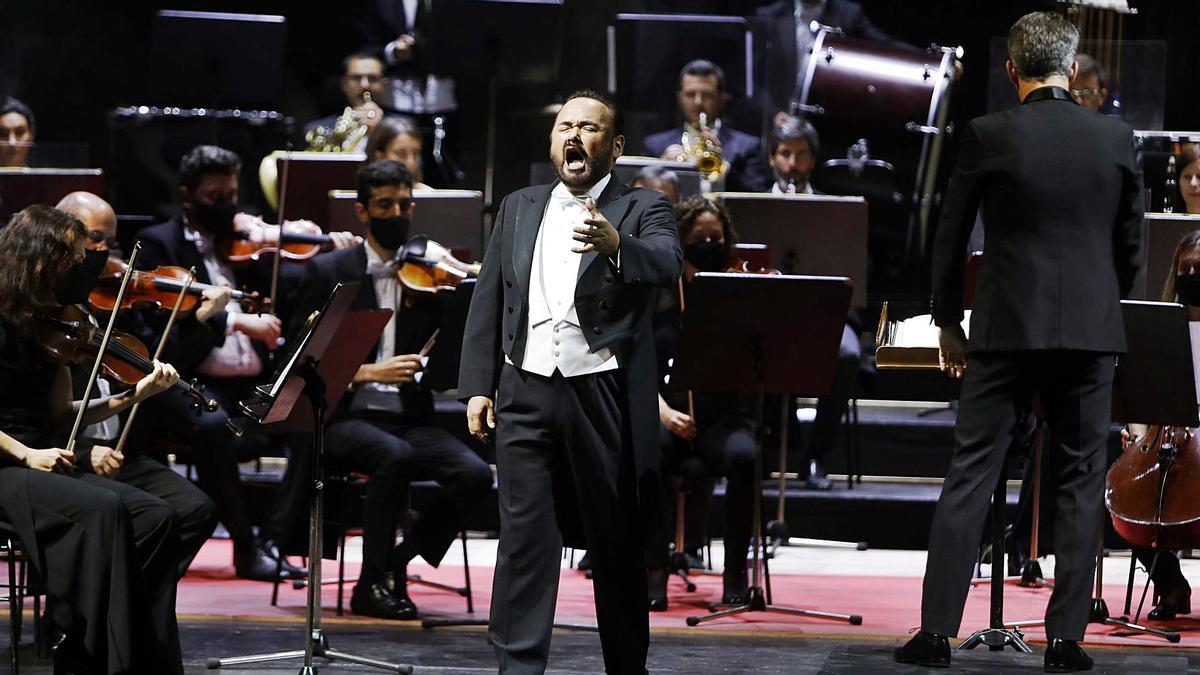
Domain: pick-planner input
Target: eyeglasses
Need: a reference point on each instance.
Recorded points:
(1085, 93)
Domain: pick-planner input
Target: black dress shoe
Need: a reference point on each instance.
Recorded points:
(375, 600)
(734, 588)
(816, 479)
(585, 563)
(253, 561)
(1066, 656)
(925, 649)
(70, 656)
(1171, 604)
(287, 570)
(656, 583)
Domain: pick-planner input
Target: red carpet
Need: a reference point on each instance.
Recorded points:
(890, 606)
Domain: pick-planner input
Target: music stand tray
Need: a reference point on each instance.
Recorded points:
(320, 375)
(766, 349)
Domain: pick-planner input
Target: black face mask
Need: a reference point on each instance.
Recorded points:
(707, 256)
(77, 283)
(217, 217)
(1188, 288)
(391, 233)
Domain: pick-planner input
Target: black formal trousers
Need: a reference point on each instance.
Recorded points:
(215, 450)
(108, 552)
(1076, 395)
(564, 463)
(832, 406)
(393, 455)
(195, 513)
(1166, 573)
(727, 448)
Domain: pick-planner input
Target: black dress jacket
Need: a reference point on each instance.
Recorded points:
(615, 305)
(1060, 190)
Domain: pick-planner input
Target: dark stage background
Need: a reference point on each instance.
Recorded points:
(75, 60)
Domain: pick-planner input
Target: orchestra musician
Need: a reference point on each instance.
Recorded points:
(106, 551)
(1189, 178)
(384, 426)
(1087, 87)
(701, 90)
(17, 131)
(195, 513)
(558, 359)
(362, 77)
(230, 361)
(1046, 320)
(721, 431)
(398, 138)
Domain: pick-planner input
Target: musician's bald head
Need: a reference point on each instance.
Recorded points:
(96, 214)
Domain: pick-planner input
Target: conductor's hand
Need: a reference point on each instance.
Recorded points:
(396, 370)
(952, 351)
(597, 234)
(215, 300)
(158, 380)
(106, 462)
(480, 411)
(54, 460)
(679, 423)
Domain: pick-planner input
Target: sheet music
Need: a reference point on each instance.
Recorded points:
(919, 331)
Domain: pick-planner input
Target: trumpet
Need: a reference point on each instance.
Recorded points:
(702, 151)
(346, 134)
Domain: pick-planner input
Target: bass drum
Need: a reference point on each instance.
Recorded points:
(894, 98)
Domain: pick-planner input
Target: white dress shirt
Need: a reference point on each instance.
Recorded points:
(806, 190)
(236, 356)
(554, 339)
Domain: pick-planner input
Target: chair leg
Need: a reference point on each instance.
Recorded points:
(14, 609)
(341, 581)
(467, 573)
(275, 581)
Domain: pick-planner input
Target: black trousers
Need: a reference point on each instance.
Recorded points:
(1167, 575)
(215, 451)
(393, 455)
(1076, 395)
(565, 461)
(832, 407)
(109, 553)
(724, 448)
(195, 514)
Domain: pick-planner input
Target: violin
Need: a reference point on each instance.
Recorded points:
(426, 266)
(67, 336)
(159, 287)
(252, 237)
(1149, 490)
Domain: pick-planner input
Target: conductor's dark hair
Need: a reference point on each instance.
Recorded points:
(380, 173)
(12, 105)
(1042, 44)
(794, 129)
(205, 159)
(702, 68)
(618, 120)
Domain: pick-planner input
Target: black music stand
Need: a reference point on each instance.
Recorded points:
(765, 351)
(1155, 383)
(307, 372)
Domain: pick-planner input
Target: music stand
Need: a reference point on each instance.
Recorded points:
(1154, 383)
(765, 351)
(452, 218)
(21, 187)
(307, 372)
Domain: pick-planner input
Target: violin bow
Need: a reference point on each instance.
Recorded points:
(158, 350)
(283, 188)
(108, 330)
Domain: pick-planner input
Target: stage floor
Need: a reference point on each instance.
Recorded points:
(223, 616)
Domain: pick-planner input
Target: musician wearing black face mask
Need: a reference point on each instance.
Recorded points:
(383, 427)
(230, 363)
(718, 440)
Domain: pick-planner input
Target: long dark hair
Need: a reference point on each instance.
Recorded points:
(1189, 241)
(36, 249)
(688, 210)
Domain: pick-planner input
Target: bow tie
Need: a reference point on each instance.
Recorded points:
(567, 200)
(381, 269)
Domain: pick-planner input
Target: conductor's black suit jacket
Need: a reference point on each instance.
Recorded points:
(614, 304)
(1055, 265)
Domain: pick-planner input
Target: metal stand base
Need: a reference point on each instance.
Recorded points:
(320, 650)
(756, 602)
(1100, 615)
(997, 639)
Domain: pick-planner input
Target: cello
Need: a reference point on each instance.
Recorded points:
(1149, 490)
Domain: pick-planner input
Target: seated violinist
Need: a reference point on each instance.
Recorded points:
(1170, 586)
(105, 551)
(232, 358)
(383, 427)
(194, 512)
(720, 428)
